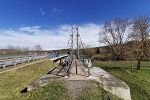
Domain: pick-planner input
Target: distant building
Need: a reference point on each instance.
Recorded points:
(4, 53)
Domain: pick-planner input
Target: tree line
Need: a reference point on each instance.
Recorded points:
(11, 49)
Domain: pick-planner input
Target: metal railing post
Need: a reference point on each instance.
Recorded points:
(69, 62)
(22, 61)
(65, 67)
(88, 67)
(4, 66)
(76, 67)
(84, 62)
(60, 62)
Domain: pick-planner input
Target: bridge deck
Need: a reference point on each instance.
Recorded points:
(76, 71)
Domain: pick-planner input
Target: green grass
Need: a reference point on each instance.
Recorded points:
(52, 91)
(138, 81)
(12, 83)
(12, 66)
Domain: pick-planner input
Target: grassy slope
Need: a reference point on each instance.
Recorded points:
(12, 83)
(53, 91)
(138, 81)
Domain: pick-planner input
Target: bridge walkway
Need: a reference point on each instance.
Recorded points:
(76, 71)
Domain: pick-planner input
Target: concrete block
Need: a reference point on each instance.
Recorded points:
(110, 83)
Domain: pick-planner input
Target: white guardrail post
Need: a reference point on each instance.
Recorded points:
(89, 65)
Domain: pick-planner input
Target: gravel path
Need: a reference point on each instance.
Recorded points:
(76, 86)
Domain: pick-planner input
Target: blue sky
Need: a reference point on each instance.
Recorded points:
(53, 19)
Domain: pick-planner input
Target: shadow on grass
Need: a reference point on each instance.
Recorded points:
(138, 91)
(143, 68)
(146, 66)
(24, 90)
(113, 68)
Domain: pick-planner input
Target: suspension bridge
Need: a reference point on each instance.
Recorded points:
(74, 69)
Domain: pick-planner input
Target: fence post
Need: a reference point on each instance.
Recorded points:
(88, 67)
(60, 62)
(4, 66)
(65, 67)
(22, 61)
(28, 59)
(69, 63)
(76, 67)
(14, 64)
(84, 62)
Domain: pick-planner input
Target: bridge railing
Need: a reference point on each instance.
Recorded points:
(68, 62)
(86, 62)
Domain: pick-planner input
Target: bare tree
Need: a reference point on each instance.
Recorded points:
(17, 48)
(97, 51)
(87, 51)
(38, 48)
(10, 46)
(140, 36)
(25, 49)
(115, 34)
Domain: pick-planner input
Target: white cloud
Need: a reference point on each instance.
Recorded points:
(36, 30)
(42, 12)
(56, 10)
(49, 39)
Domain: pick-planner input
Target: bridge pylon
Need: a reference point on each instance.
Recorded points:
(75, 42)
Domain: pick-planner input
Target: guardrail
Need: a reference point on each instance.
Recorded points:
(58, 57)
(20, 56)
(14, 60)
(51, 56)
